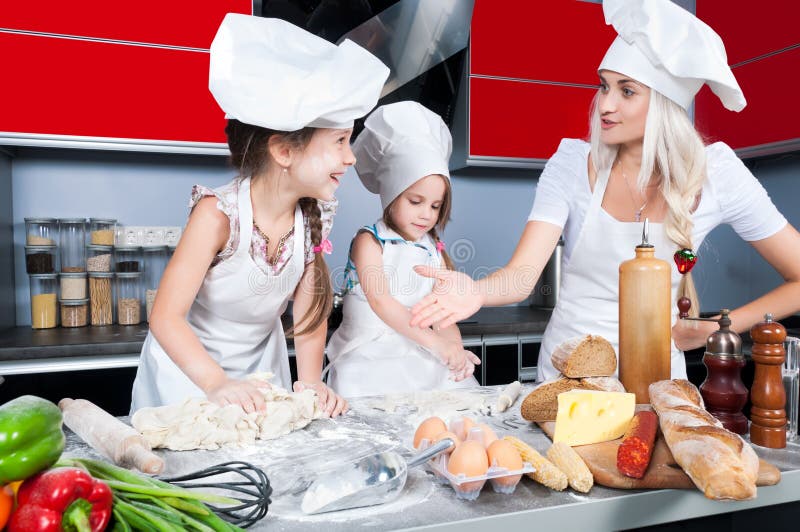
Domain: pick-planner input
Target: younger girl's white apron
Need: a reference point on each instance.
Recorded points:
(236, 316)
(589, 298)
(367, 357)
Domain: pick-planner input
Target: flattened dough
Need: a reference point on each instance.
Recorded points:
(197, 423)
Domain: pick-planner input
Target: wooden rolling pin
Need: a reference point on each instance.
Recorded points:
(106, 434)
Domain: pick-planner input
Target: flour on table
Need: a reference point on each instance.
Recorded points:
(418, 489)
(200, 424)
(441, 403)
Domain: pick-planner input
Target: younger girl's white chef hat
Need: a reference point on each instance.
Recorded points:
(401, 143)
(268, 72)
(670, 50)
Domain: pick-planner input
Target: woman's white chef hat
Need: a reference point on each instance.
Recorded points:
(267, 72)
(401, 143)
(670, 50)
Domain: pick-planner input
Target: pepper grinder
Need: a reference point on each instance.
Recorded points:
(768, 414)
(723, 391)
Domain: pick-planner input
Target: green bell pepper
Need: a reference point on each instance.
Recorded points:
(31, 438)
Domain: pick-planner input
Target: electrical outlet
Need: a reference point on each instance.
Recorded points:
(129, 236)
(153, 236)
(172, 235)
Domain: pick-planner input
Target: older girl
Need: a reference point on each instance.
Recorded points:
(254, 243)
(644, 159)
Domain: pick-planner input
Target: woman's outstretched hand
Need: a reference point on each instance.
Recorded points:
(455, 296)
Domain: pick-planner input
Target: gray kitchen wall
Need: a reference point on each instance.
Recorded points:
(489, 211)
(7, 316)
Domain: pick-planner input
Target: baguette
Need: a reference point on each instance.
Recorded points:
(542, 403)
(720, 463)
(585, 356)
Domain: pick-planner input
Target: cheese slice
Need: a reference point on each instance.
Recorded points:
(587, 416)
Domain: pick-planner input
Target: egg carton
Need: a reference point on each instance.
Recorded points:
(468, 488)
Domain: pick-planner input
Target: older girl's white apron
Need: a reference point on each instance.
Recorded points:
(236, 315)
(589, 297)
(367, 357)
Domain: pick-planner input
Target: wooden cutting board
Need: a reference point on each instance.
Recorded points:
(601, 458)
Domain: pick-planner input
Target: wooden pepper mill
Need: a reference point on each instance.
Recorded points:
(768, 414)
(723, 391)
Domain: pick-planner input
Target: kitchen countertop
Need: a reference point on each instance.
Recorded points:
(24, 343)
(425, 504)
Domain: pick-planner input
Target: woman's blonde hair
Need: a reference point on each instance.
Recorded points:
(441, 220)
(673, 151)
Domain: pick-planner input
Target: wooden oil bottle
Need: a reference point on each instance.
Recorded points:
(645, 331)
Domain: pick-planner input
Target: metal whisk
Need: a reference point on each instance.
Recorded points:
(252, 490)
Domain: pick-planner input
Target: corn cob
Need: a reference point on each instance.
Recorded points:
(568, 461)
(546, 473)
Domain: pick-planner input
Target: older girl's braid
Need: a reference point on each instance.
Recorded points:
(448, 262)
(323, 290)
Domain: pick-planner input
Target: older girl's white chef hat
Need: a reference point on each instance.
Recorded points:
(401, 143)
(670, 50)
(267, 72)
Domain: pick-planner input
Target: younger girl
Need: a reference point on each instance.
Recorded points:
(254, 243)
(402, 155)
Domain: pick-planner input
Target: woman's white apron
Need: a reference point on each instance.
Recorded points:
(589, 297)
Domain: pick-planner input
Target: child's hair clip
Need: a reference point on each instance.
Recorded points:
(324, 247)
(685, 259)
(439, 246)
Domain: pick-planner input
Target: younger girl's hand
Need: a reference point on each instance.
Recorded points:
(330, 402)
(239, 392)
(468, 371)
(456, 357)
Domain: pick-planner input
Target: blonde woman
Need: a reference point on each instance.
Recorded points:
(644, 159)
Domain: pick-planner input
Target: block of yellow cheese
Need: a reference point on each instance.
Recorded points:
(587, 416)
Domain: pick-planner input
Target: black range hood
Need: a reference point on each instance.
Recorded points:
(423, 42)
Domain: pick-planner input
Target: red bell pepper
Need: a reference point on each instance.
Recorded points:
(64, 498)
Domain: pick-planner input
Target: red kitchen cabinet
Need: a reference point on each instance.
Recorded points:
(772, 114)
(763, 46)
(752, 29)
(516, 119)
(96, 89)
(557, 40)
(186, 23)
(532, 77)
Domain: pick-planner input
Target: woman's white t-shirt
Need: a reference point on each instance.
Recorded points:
(730, 195)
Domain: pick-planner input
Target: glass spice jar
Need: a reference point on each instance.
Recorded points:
(73, 285)
(98, 258)
(101, 298)
(40, 259)
(155, 262)
(71, 244)
(102, 230)
(74, 312)
(44, 300)
(41, 231)
(129, 298)
(128, 259)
